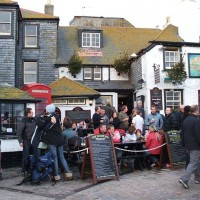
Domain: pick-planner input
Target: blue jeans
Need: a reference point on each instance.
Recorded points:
(58, 152)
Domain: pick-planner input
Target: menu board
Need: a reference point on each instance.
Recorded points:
(77, 116)
(156, 98)
(174, 148)
(103, 158)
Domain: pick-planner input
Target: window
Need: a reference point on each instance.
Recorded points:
(87, 73)
(171, 58)
(91, 40)
(31, 33)
(30, 72)
(11, 114)
(5, 23)
(76, 101)
(92, 73)
(173, 98)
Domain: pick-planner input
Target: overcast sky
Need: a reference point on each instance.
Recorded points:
(141, 13)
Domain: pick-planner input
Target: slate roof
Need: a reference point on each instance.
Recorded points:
(116, 40)
(109, 85)
(65, 87)
(15, 94)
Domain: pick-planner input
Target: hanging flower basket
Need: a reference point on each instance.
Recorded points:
(177, 73)
(75, 64)
(122, 65)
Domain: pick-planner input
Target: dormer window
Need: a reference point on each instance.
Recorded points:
(171, 57)
(90, 38)
(5, 23)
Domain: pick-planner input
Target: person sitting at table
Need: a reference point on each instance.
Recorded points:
(154, 139)
(71, 140)
(130, 135)
(138, 133)
(101, 130)
(114, 133)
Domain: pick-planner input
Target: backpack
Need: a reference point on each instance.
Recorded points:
(39, 170)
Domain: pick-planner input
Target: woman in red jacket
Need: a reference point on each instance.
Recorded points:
(154, 139)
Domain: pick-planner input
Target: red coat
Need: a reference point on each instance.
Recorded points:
(152, 142)
(97, 132)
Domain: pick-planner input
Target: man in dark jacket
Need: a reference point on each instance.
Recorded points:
(191, 137)
(179, 116)
(170, 122)
(25, 130)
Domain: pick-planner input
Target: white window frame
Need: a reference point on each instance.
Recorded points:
(31, 72)
(92, 73)
(87, 73)
(59, 101)
(172, 57)
(97, 71)
(76, 101)
(173, 100)
(31, 36)
(5, 23)
(91, 40)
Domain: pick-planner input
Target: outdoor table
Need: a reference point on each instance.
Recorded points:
(129, 151)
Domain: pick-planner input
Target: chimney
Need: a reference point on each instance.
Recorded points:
(167, 22)
(48, 8)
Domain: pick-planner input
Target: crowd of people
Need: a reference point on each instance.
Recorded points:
(120, 126)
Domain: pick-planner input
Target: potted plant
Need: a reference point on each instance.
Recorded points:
(75, 64)
(122, 64)
(177, 73)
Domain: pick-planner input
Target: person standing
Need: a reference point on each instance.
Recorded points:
(138, 121)
(96, 118)
(54, 139)
(124, 118)
(154, 118)
(25, 130)
(179, 116)
(140, 108)
(190, 133)
(104, 117)
(170, 122)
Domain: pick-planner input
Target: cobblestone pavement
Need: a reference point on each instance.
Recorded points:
(149, 185)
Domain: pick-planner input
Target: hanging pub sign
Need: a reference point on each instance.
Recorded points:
(156, 98)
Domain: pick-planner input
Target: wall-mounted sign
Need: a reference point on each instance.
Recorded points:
(90, 52)
(156, 73)
(156, 98)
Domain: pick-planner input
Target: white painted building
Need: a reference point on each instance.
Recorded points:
(171, 95)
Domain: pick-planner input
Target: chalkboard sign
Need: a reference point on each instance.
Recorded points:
(77, 116)
(174, 148)
(156, 98)
(103, 158)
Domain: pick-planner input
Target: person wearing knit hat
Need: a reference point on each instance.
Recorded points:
(53, 137)
(50, 108)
